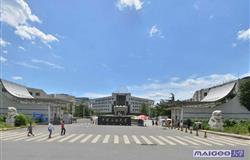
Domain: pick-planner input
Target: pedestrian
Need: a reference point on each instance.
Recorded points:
(63, 130)
(153, 122)
(30, 130)
(50, 128)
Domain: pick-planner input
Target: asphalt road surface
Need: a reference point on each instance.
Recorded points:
(92, 142)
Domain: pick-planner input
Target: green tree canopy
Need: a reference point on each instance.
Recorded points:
(144, 109)
(245, 93)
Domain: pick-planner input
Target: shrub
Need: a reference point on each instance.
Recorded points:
(21, 120)
(2, 119)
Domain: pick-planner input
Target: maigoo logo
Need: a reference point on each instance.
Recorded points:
(218, 153)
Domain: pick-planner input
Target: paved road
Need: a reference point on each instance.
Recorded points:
(86, 141)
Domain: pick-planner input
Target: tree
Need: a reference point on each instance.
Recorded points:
(245, 93)
(162, 109)
(144, 109)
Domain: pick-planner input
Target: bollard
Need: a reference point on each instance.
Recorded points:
(197, 134)
(190, 130)
(205, 134)
(181, 128)
(186, 130)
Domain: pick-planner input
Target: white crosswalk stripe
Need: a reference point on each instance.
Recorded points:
(157, 140)
(46, 137)
(236, 141)
(86, 138)
(36, 137)
(24, 137)
(96, 138)
(67, 137)
(208, 141)
(221, 141)
(12, 135)
(76, 138)
(137, 141)
(54, 138)
(186, 140)
(166, 140)
(116, 139)
(176, 140)
(126, 140)
(146, 140)
(106, 138)
(199, 141)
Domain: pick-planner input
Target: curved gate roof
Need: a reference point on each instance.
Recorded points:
(16, 89)
(217, 93)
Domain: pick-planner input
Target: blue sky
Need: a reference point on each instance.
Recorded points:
(147, 47)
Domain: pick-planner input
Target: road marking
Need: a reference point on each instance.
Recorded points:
(221, 141)
(106, 138)
(146, 140)
(240, 142)
(126, 140)
(86, 138)
(25, 137)
(96, 138)
(157, 140)
(45, 138)
(66, 138)
(186, 140)
(54, 138)
(116, 139)
(166, 140)
(137, 141)
(206, 140)
(196, 140)
(176, 140)
(36, 137)
(12, 135)
(76, 138)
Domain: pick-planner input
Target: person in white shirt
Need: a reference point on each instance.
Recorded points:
(50, 128)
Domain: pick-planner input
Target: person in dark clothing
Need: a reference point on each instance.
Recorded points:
(63, 130)
(30, 130)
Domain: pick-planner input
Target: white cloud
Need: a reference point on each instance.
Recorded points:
(155, 32)
(3, 43)
(244, 34)
(2, 59)
(52, 65)
(183, 89)
(137, 4)
(22, 48)
(17, 14)
(25, 64)
(5, 51)
(17, 78)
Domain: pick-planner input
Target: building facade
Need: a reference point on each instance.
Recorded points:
(224, 97)
(32, 102)
(118, 101)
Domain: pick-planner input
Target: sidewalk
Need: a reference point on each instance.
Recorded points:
(227, 134)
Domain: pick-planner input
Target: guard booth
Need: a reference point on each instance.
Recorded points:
(114, 120)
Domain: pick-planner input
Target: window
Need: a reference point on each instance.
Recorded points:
(37, 94)
(30, 93)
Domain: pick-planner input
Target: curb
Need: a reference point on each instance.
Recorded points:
(227, 134)
(7, 129)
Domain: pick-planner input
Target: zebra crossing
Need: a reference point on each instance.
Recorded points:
(162, 140)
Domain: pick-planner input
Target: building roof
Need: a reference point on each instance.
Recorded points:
(16, 90)
(218, 93)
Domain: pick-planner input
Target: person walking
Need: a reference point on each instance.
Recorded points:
(30, 130)
(50, 128)
(63, 130)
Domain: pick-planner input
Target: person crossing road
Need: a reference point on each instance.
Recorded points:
(63, 130)
(50, 128)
